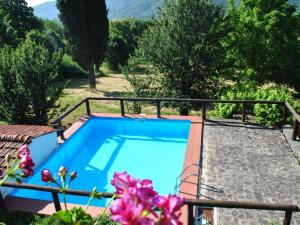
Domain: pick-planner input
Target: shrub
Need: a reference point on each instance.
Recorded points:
(239, 91)
(27, 83)
(70, 69)
(271, 115)
(266, 114)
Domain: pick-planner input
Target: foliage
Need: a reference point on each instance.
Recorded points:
(74, 216)
(16, 19)
(271, 115)
(54, 30)
(123, 40)
(70, 69)
(86, 27)
(181, 51)
(263, 43)
(238, 91)
(27, 83)
(265, 114)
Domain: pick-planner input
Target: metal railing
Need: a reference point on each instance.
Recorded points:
(289, 209)
(286, 107)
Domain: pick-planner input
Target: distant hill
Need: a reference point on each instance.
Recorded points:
(121, 8)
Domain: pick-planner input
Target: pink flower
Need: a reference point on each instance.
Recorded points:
(122, 182)
(47, 176)
(139, 202)
(170, 206)
(128, 212)
(26, 165)
(23, 151)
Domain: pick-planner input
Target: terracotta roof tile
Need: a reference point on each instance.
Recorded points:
(14, 136)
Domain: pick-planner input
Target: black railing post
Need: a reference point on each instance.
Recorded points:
(122, 107)
(244, 111)
(203, 111)
(2, 203)
(295, 130)
(56, 201)
(287, 218)
(88, 109)
(158, 108)
(190, 214)
(284, 114)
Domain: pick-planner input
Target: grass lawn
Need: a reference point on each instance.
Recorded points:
(111, 85)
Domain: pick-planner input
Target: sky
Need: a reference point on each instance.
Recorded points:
(36, 2)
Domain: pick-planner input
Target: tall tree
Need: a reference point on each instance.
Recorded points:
(264, 42)
(18, 19)
(181, 53)
(86, 27)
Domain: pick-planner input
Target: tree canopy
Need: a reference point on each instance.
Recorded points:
(263, 43)
(86, 28)
(182, 52)
(16, 19)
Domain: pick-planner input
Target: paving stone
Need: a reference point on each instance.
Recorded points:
(243, 162)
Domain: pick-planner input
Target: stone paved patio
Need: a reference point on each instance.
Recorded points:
(248, 163)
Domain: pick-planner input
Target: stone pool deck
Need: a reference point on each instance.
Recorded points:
(244, 162)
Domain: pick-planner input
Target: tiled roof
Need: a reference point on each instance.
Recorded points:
(14, 136)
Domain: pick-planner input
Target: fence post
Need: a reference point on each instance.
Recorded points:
(287, 218)
(122, 107)
(2, 203)
(295, 130)
(284, 116)
(190, 214)
(87, 104)
(158, 109)
(203, 111)
(244, 111)
(56, 201)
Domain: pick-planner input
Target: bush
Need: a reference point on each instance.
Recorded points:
(239, 91)
(28, 89)
(70, 69)
(271, 115)
(266, 114)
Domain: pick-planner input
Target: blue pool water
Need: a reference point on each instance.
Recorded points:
(145, 148)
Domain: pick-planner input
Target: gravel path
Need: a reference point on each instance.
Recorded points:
(248, 163)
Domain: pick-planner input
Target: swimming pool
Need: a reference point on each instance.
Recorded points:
(145, 148)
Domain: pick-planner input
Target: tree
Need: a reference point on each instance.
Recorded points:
(123, 40)
(181, 53)
(28, 88)
(263, 42)
(86, 27)
(18, 19)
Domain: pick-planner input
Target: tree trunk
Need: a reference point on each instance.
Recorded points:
(92, 77)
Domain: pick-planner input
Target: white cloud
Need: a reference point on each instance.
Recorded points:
(36, 2)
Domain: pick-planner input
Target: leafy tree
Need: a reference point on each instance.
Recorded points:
(18, 19)
(182, 53)
(54, 30)
(264, 43)
(27, 83)
(86, 27)
(123, 39)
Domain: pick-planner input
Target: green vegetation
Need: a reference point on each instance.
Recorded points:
(16, 19)
(86, 28)
(27, 83)
(181, 53)
(123, 40)
(263, 42)
(24, 219)
(269, 115)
